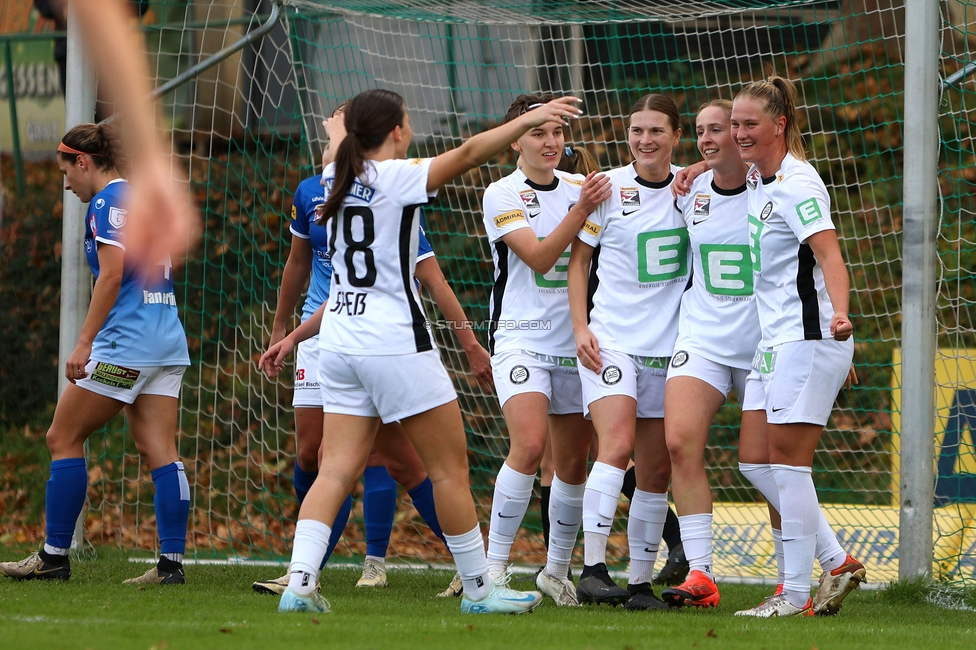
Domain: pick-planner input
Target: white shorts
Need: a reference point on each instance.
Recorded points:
(521, 371)
(801, 379)
(126, 384)
(307, 393)
(391, 387)
(720, 377)
(642, 378)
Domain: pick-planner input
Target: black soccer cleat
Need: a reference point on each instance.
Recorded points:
(642, 598)
(675, 570)
(596, 586)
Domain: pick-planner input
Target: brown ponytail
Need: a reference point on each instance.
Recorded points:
(102, 142)
(369, 117)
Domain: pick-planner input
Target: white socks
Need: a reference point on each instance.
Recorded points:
(780, 560)
(801, 521)
(565, 518)
(311, 542)
(602, 491)
(645, 525)
(508, 506)
(696, 540)
(469, 558)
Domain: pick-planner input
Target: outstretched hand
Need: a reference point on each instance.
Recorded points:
(272, 362)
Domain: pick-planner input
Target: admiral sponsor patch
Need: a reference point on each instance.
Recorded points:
(294, 213)
(114, 376)
(508, 218)
(703, 203)
(529, 199)
(519, 375)
(416, 161)
(611, 375)
(573, 181)
(591, 228)
(630, 197)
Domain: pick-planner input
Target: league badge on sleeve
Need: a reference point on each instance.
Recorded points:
(116, 217)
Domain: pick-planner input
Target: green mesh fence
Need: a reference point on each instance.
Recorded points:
(250, 130)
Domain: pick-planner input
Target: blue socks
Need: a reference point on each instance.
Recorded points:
(64, 499)
(339, 525)
(423, 501)
(379, 508)
(303, 482)
(172, 501)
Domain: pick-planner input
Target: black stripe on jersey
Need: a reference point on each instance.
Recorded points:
(655, 186)
(806, 289)
(421, 335)
(543, 188)
(732, 192)
(594, 282)
(498, 292)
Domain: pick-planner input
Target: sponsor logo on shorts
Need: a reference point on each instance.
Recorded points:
(508, 218)
(115, 376)
(611, 375)
(766, 211)
(591, 228)
(679, 359)
(519, 375)
(630, 197)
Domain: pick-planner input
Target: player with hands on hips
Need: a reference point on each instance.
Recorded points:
(378, 341)
(131, 356)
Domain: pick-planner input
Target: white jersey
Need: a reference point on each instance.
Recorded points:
(642, 267)
(718, 318)
(784, 211)
(373, 307)
(529, 310)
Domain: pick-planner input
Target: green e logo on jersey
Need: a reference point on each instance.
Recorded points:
(808, 211)
(755, 230)
(728, 269)
(662, 255)
(558, 275)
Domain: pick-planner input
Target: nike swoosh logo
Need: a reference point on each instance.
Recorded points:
(40, 572)
(533, 216)
(527, 598)
(650, 550)
(695, 222)
(603, 525)
(782, 408)
(507, 516)
(565, 524)
(628, 213)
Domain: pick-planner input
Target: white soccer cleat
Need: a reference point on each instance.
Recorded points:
(374, 574)
(777, 606)
(292, 602)
(500, 577)
(562, 590)
(455, 589)
(502, 600)
(836, 585)
(275, 587)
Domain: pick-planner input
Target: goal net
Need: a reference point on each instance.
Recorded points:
(250, 129)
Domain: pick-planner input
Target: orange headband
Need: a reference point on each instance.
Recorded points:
(63, 148)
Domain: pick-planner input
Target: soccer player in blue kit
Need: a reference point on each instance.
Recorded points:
(131, 356)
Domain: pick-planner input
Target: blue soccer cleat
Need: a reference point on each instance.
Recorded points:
(292, 602)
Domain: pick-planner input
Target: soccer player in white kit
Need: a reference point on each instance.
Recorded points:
(130, 356)
(531, 217)
(624, 343)
(802, 293)
(382, 363)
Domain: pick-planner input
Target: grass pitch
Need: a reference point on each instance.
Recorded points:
(217, 609)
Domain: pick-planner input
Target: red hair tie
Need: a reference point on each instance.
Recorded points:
(63, 148)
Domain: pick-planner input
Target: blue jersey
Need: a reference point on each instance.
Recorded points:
(310, 194)
(143, 328)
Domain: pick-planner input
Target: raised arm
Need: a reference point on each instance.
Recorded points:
(481, 148)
